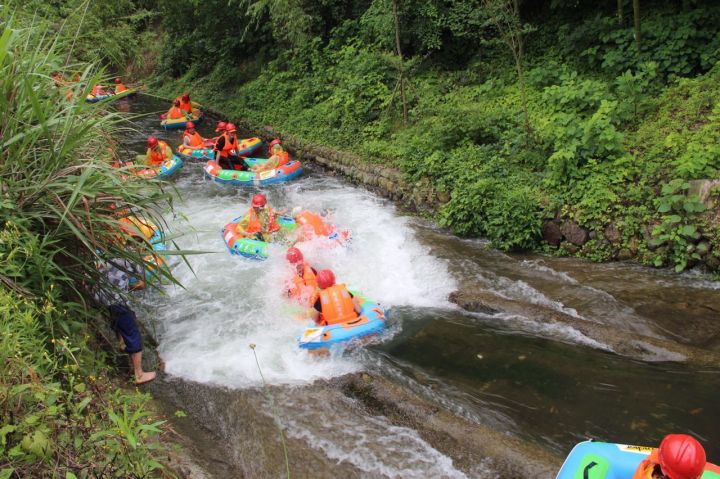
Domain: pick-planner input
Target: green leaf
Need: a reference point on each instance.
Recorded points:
(70, 475)
(688, 230)
(6, 473)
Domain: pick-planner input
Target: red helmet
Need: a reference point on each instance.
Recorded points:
(259, 200)
(294, 255)
(276, 141)
(681, 456)
(118, 80)
(152, 142)
(230, 127)
(325, 278)
(221, 126)
(185, 97)
(189, 125)
(176, 102)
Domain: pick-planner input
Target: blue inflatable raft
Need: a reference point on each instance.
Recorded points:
(603, 460)
(370, 323)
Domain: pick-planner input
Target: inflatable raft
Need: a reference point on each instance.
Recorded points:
(154, 236)
(252, 248)
(162, 171)
(370, 323)
(247, 146)
(284, 173)
(178, 123)
(90, 98)
(602, 460)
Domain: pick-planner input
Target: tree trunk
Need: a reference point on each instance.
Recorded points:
(636, 16)
(402, 69)
(620, 11)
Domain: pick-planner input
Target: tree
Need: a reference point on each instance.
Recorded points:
(636, 17)
(402, 79)
(505, 16)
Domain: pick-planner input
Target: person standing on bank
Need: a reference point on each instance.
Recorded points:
(118, 272)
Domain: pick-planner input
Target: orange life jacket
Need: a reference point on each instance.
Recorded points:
(157, 157)
(284, 158)
(97, 90)
(312, 224)
(645, 468)
(119, 88)
(255, 226)
(195, 138)
(304, 287)
(186, 106)
(175, 113)
(336, 305)
(229, 146)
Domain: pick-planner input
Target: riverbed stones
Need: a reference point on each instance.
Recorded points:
(612, 233)
(574, 233)
(551, 233)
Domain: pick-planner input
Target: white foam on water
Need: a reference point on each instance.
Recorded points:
(229, 302)
(553, 331)
(518, 289)
(369, 443)
(538, 265)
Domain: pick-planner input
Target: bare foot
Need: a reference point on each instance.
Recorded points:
(144, 378)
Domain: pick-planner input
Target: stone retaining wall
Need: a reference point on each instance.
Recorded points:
(388, 182)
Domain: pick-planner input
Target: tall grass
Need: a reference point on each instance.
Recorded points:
(60, 192)
(60, 205)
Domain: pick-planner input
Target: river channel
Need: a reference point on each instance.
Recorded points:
(543, 384)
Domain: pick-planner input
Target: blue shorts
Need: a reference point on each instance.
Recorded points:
(122, 321)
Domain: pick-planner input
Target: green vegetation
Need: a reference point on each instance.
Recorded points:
(60, 205)
(563, 113)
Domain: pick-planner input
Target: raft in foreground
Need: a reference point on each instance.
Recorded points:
(370, 323)
(603, 460)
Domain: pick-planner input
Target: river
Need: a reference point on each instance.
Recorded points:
(544, 384)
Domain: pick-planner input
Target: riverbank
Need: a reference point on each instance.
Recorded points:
(600, 155)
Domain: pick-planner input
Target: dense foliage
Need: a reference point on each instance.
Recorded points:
(611, 124)
(59, 214)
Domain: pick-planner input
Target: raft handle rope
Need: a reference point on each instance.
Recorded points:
(275, 412)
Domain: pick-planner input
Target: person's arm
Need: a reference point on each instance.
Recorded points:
(315, 311)
(219, 145)
(243, 224)
(168, 153)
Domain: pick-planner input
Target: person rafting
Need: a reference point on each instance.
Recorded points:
(185, 103)
(259, 221)
(333, 303)
(311, 224)
(98, 90)
(191, 138)
(274, 142)
(119, 86)
(304, 282)
(58, 78)
(680, 456)
(175, 111)
(279, 158)
(226, 150)
(158, 152)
